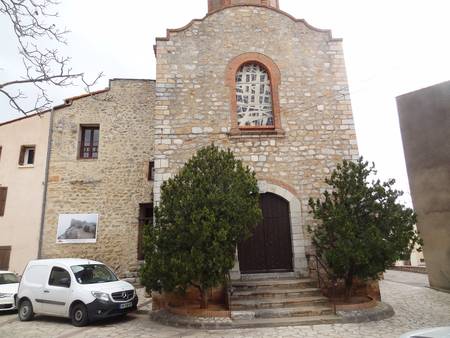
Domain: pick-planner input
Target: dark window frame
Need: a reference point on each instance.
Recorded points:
(151, 170)
(3, 195)
(91, 154)
(144, 218)
(23, 151)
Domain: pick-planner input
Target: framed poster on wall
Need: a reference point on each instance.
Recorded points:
(77, 228)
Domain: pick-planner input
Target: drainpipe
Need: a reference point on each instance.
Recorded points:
(44, 195)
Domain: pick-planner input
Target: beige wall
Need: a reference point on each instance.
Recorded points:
(193, 103)
(416, 258)
(111, 186)
(20, 225)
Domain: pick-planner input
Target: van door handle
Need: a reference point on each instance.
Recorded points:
(46, 291)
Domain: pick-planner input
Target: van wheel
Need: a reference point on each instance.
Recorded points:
(25, 310)
(79, 315)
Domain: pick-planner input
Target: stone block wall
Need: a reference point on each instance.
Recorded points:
(111, 186)
(193, 102)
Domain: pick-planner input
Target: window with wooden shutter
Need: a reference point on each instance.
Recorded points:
(5, 253)
(3, 193)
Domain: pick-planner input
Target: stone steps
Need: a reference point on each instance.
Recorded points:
(279, 301)
(287, 321)
(274, 292)
(266, 276)
(281, 283)
(298, 311)
(276, 302)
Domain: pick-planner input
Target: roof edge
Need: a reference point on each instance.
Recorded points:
(68, 101)
(319, 30)
(25, 117)
(130, 79)
(423, 89)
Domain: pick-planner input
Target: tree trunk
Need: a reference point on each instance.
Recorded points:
(204, 298)
(349, 284)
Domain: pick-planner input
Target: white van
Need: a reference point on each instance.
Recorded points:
(80, 289)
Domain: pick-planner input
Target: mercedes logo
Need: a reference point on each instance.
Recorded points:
(124, 295)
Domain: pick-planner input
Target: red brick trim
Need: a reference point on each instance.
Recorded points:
(275, 79)
(280, 183)
(225, 3)
(214, 6)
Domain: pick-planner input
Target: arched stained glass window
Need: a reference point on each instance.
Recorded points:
(254, 96)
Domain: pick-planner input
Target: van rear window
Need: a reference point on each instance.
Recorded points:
(93, 273)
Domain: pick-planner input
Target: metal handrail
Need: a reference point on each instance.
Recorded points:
(320, 278)
(229, 290)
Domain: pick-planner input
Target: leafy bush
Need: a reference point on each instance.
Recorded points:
(363, 229)
(205, 210)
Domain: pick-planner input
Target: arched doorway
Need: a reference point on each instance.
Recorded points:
(270, 247)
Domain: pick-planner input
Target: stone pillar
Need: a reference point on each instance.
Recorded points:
(235, 272)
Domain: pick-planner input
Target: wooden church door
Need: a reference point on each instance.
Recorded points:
(270, 247)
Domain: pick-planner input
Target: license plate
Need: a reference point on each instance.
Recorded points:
(126, 305)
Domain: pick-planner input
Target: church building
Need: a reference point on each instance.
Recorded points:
(248, 77)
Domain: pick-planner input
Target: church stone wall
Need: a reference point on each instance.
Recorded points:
(193, 102)
(111, 186)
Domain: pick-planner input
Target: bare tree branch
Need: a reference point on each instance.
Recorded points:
(88, 85)
(43, 67)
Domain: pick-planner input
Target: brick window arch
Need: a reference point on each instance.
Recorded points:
(253, 79)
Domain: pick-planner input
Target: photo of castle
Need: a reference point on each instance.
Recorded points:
(77, 228)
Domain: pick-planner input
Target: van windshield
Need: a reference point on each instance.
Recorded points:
(93, 273)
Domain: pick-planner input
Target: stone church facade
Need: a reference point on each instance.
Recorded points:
(196, 89)
(248, 77)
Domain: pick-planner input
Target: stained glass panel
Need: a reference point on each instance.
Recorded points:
(253, 96)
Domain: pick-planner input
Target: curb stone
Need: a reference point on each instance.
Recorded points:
(379, 312)
(167, 318)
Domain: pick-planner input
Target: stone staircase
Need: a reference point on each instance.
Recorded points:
(279, 300)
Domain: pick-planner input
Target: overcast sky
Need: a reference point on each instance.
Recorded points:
(391, 47)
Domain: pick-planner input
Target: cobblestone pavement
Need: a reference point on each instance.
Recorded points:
(415, 307)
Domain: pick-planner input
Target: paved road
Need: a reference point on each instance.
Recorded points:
(415, 307)
(410, 278)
